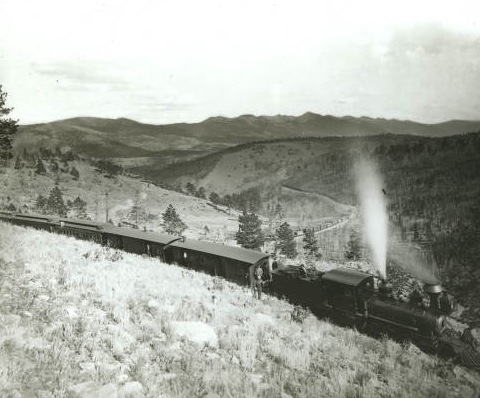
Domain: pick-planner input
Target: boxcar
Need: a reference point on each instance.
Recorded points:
(35, 221)
(137, 241)
(81, 229)
(229, 262)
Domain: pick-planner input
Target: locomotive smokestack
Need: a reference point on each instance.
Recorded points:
(433, 292)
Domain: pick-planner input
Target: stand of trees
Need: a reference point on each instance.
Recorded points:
(55, 205)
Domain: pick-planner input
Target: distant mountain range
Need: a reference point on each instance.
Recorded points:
(125, 138)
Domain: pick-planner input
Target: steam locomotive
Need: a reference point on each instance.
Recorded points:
(354, 298)
(346, 296)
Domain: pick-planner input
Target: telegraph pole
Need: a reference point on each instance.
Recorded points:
(106, 206)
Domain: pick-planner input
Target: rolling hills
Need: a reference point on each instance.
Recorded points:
(124, 138)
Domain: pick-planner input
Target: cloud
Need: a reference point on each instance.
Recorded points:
(82, 75)
(431, 39)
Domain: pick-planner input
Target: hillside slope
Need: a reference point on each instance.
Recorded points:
(125, 199)
(81, 320)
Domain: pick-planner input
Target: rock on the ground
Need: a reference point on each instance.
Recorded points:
(91, 389)
(196, 332)
(132, 389)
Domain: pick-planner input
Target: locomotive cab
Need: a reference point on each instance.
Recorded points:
(347, 292)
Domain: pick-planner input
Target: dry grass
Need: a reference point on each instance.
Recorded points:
(73, 312)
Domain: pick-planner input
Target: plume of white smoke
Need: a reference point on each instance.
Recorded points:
(122, 207)
(413, 260)
(373, 204)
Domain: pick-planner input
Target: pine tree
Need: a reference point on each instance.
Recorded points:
(8, 127)
(41, 204)
(79, 208)
(200, 193)
(75, 173)
(310, 244)
(172, 222)
(354, 247)
(190, 188)
(214, 198)
(285, 241)
(249, 232)
(40, 167)
(54, 167)
(55, 203)
(18, 163)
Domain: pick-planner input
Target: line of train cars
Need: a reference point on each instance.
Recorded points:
(344, 295)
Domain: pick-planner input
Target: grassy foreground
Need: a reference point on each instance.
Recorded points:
(80, 320)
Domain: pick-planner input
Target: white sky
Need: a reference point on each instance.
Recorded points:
(162, 61)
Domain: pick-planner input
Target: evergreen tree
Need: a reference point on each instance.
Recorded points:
(190, 188)
(8, 127)
(278, 212)
(285, 241)
(75, 173)
(54, 167)
(40, 169)
(214, 198)
(79, 208)
(249, 232)
(200, 193)
(55, 203)
(310, 244)
(172, 222)
(354, 247)
(18, 163)
(41, 204)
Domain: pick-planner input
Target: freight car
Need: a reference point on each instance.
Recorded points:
(346, 296)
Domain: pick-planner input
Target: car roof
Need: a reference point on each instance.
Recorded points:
(84, 224)
(156, 237)
(236, 253)
(33, 217)
(346, 276)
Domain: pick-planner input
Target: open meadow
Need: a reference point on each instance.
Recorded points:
(80, 320)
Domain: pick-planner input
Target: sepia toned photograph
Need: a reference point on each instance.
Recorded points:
(238, 198)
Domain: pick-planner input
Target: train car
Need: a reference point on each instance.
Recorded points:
(5, 216)
(233, 263)
(36, 221)
(137, 241)
(81, 229)
(339, 294)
